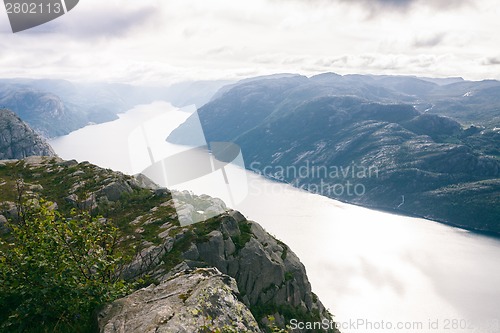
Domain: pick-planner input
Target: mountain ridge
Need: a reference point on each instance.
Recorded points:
(57, 107)
(428, 164)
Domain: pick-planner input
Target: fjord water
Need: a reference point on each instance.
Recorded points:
(377, 272)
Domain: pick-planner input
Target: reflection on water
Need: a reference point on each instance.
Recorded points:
(366, 266)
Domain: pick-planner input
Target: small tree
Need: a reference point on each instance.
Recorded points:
(55, 271)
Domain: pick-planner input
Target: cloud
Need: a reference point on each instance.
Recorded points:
(399, 4)
(220, 51)
(429, 41)
(491, 61)
(152, 40)
(109, 20)
(381, 6)
(110, 23)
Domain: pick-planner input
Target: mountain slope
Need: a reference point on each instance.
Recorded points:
(18, 140)
(257, 275)
(58, 107)
(56, 110)
(364, 151)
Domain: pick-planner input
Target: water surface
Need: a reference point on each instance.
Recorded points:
(375, 271)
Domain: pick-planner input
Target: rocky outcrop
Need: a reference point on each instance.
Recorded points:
(18, 140)
(270, 277)
(192, 208)
(200, 300)
(266, 270)
(222, 273)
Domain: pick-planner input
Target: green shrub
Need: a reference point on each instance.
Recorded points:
(55, 271)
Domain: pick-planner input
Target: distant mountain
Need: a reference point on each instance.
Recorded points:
(193, 92)
(361, 140)
(58, 107)
(18, 140)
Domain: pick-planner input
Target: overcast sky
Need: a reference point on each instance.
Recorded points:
(165, 41)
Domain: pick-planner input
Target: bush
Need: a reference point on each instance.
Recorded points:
(55, 271)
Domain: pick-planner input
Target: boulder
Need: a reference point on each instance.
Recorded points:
(4, 229)
(115, 190)
(9, 210)
(89, 203)
(144, 182)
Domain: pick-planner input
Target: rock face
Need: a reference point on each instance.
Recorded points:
(190, 301)
(266, 270)
(18, 140)
(269, 276)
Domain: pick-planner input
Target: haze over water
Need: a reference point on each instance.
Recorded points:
(373, 270)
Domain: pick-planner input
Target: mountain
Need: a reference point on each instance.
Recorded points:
(58, 107)
(55, 108)
(18, 140)
(193, 92)
(225, 274)
(360, 139)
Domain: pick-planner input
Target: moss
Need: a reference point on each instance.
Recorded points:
(284, 253)
(174, 257)
(261, 311)
(184, 297)
(244, 237)
(284, 247)
(315, 298)
(202, 229)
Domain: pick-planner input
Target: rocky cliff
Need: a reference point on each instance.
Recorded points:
(226, 273)
(18, 140)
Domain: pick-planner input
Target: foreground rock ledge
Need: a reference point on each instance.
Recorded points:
(189, 301)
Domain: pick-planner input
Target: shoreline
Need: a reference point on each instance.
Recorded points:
(486, 233)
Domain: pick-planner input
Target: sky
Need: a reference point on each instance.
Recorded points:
(167, 41)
